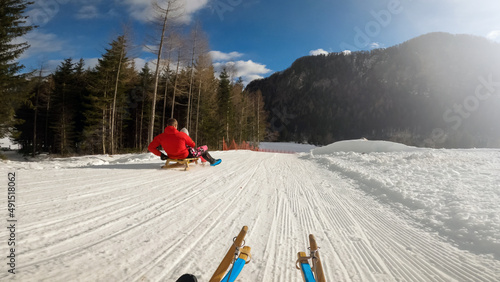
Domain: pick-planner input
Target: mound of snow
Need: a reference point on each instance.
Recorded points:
(453, 192)
(363, 146)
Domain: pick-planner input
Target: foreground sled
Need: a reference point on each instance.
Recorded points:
(314, 273)
(183, 162)
(238, 255)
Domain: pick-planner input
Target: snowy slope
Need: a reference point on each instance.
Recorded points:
(379, 211)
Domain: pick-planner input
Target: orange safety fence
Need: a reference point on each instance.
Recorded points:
(246, 146)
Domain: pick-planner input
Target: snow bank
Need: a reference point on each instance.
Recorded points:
(453, 192)
(363, 146)
(46, 162)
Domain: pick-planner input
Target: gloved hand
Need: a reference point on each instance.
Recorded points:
(163, 157)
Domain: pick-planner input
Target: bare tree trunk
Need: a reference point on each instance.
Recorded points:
(113, 111)
(198, 113)
(104, 131)
(175, 83)
(165, 96)
(142, 118)
(188, 118)
(36, 112)
(258, 120)
(136, 139)
(63, 122)
(171, 7)
(47, 122)
(227, 124)
(157, 71)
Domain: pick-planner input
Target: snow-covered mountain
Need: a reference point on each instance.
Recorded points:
(380, 211)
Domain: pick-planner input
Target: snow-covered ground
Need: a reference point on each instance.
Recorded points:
(6, 143)
(380, 211)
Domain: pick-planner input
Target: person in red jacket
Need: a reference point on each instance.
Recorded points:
(178, 145)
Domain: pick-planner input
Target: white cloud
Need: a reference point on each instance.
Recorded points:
(87, 12)
(376, 45)
(218, 56)
(139, 64)
(346, 52)
(40, 43)
(247, 70)
(91, 62)
(318, 52)
(494, 35)
(144, 11)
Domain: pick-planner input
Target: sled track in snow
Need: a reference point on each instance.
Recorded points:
(135, 222)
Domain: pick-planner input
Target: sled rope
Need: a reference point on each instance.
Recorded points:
(315, 272)
(312, 256)
(236, 254)
(232, 258)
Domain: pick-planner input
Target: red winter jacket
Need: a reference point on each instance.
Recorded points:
(173, 143)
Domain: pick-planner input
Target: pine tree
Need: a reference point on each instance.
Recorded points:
(65, 105)
(108, 96)
(224, 101)
(206, 89)
(143, 90)
(12, 23)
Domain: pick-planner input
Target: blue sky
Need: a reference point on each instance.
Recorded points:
(257, 37)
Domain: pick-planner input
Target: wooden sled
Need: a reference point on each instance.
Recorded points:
(182, 162)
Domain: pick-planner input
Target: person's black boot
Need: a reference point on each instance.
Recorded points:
(212, 161)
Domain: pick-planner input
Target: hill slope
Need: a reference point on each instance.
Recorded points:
(375, 217)
(435, 90)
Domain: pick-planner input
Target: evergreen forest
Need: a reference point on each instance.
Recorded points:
(113, 107)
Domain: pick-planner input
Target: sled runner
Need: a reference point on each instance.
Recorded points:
(314, 273)
(184, 162)
(238, 255)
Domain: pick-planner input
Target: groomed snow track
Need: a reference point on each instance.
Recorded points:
(132, 221)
